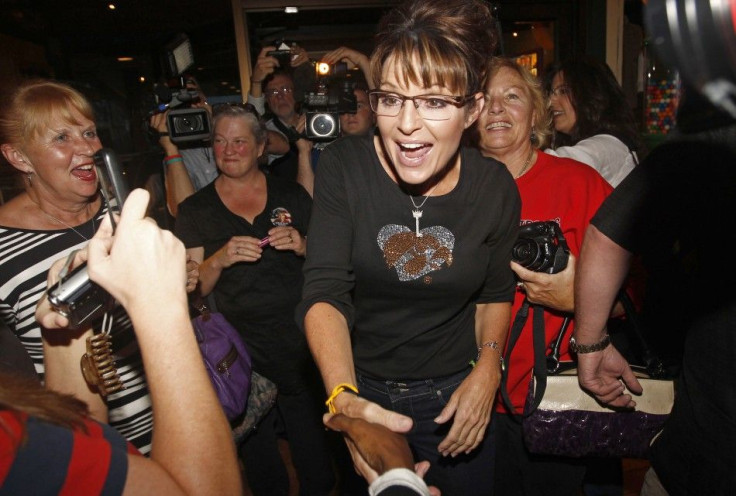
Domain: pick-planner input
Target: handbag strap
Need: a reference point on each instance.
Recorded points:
(652, 363)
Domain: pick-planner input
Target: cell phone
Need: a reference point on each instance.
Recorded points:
(76, 297)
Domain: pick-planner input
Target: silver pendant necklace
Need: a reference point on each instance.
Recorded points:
(417, 212)
(64, 223)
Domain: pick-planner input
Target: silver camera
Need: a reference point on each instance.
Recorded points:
(75, 296)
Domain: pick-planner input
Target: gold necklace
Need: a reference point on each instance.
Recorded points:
(526, 164)
(417, 212)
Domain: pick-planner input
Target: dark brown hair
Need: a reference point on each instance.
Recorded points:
(451, 40)
(599, 102)
(23, 395)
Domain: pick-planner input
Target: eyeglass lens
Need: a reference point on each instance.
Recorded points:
(429, 107)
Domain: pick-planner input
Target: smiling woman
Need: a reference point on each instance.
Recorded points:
(407, 279)
(48, 133)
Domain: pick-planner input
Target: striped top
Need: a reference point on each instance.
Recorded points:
(25, 258)
(73, 462)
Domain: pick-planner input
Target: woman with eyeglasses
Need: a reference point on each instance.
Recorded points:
(407, 291)
(248, 231)
(593, 122)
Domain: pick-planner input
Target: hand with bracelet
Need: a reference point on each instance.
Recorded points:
(601, 369)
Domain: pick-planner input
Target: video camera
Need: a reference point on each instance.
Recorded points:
(332, 95)
(184, 122)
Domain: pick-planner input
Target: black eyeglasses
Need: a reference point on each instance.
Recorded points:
(248, 107)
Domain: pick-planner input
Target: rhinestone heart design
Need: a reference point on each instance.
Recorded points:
(415, 256)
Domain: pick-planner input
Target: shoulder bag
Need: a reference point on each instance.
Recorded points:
(560, 418)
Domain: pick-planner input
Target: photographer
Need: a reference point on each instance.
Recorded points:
(192, 449)
(272, 83)
(48, 134)
(189, 167)
(513, 126)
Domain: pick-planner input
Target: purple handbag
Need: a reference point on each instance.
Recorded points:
(226, 359)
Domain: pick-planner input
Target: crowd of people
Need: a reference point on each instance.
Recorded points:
(371, 275)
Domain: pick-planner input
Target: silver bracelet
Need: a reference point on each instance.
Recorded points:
(582, 349)
(494, 346)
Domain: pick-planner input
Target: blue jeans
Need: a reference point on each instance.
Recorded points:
(423, 400)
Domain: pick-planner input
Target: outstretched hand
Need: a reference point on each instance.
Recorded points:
(606, 374)
(380, 448)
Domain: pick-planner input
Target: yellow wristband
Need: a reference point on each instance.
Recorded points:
(335, 392)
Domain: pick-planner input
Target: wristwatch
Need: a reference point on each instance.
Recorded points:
(581, 349)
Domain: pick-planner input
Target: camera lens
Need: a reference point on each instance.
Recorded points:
(323, 125)
(186, 124)
(526, 252)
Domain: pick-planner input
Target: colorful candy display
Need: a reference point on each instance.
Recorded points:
(663, 90)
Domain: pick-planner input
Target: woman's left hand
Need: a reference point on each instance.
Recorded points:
(45, 315)
(550, 290)
(287, 238)
(470, 405)
(192, 274)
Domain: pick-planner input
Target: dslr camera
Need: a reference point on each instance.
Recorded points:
(541, 247)
(331, 96)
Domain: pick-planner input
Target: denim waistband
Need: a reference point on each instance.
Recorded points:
(398, 385)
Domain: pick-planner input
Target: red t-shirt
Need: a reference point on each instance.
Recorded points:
(569, 193)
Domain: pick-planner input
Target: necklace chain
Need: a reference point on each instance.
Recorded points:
(56, 219)
(417, 212)
(526, 164)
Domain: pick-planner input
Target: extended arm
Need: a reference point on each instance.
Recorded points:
(192, 447)
(602, 269)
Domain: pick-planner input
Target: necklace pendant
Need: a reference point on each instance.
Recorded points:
(417, 215)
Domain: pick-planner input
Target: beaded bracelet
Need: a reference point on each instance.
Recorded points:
(335, 392)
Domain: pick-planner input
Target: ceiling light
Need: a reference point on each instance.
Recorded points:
(125, 59)
(111, 6)
(291, 10)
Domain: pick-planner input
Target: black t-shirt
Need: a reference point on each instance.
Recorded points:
(410, 302)
(257, 298)
(678, 210)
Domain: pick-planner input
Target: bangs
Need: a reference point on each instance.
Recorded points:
(51, 102)
(424, 63)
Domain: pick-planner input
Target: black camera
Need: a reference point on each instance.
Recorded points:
(332, 95)
(283, 56)
(184, 122)
(75, 296)
(541, 247)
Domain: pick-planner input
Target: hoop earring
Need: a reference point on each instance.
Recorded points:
(29, 176)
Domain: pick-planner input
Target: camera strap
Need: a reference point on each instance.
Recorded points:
(542, 362)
